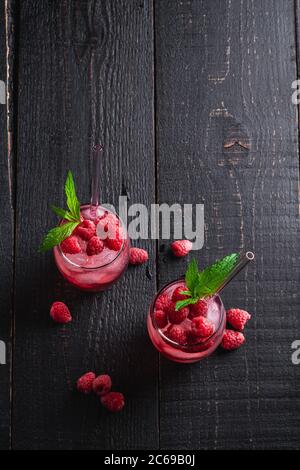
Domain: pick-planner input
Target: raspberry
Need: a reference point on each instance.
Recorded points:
(85, 382)
(138, 256)
(161, 318)
(238, 318)
(60, 313)
(94, 246)
(232, 340)
(114, 243)
(181, 247)
(70, 245)
(201, 327)
(178, 316)
(176, 294)
(102, 385)
(86, 230)
(113, 401)
(198, 344)
(200, 308)
(162, 302)
(177, 334)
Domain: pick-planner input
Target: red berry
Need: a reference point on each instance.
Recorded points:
(232, 340)
(102, 384)
(177, 334)
(94, 246)
(181, 247)
(85, 382)
(178, 316)
(113, 401)
(201, 327)
(162, 302)
(138, 256)
(161, 318)
(238, 318)
(114, 240)
(60, 313)
(200, 308)
(70, 245)
(86, 230)
(177, 295)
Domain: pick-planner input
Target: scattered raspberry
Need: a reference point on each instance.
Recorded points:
(138, 256)
(70, 245)
(176, 294)
(178, 316)
(161, 318)
(238, 318)
(181, 247)
(200, 308)
(60, 313)
(232, 340)
(86, 230)
(102, 385)
(201, 327)
(85, 382)
(177, 334)
(162, 302)
(113, 401)
(94, 246)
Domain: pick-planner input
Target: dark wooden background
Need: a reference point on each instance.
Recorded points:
(192, 102)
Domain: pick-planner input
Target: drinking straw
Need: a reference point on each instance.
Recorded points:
(243, 260)
(96, 156)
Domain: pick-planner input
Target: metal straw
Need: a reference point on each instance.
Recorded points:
(241, 263)
(96, 154)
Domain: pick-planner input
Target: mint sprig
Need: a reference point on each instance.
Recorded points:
(207, 282)
(56, 235)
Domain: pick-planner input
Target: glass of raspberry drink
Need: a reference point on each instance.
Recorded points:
(97, 253)
(187, 319)
(189, 334)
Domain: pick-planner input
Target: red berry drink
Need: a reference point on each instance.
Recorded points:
(189, 334)
(97, 253)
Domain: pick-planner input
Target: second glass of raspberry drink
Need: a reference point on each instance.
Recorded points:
(97, 252)
(186, 329)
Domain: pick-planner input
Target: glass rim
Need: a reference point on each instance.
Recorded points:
(174, 343)
(88, 268)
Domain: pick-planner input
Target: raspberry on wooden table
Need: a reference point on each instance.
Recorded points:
(102, 384)
(138, 256)
(60, 313)
(113, 401)
(181, 248)
(238, 318)
(232, 340)
(85, 382)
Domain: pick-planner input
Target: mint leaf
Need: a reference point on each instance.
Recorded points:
(57, 235)
(63, 214)
(191, 275)
(212, 277)
(72, 201)
(184, 303)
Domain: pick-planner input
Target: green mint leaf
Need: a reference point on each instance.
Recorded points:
(185, 292)
(63, 214)
(72, 201)
(184, 303)
(57, 235)
(212, 277)
(191, 275)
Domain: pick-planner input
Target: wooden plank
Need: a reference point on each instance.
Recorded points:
(227, 137)
(6, 247)
(108, 330)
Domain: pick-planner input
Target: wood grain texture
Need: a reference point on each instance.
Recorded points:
(227, 137)
(6, 251)
(57, 91)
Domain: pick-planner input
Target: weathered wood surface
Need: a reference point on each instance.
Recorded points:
(224, 71)
(108, 332)
(6, 247)
(192, 102)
